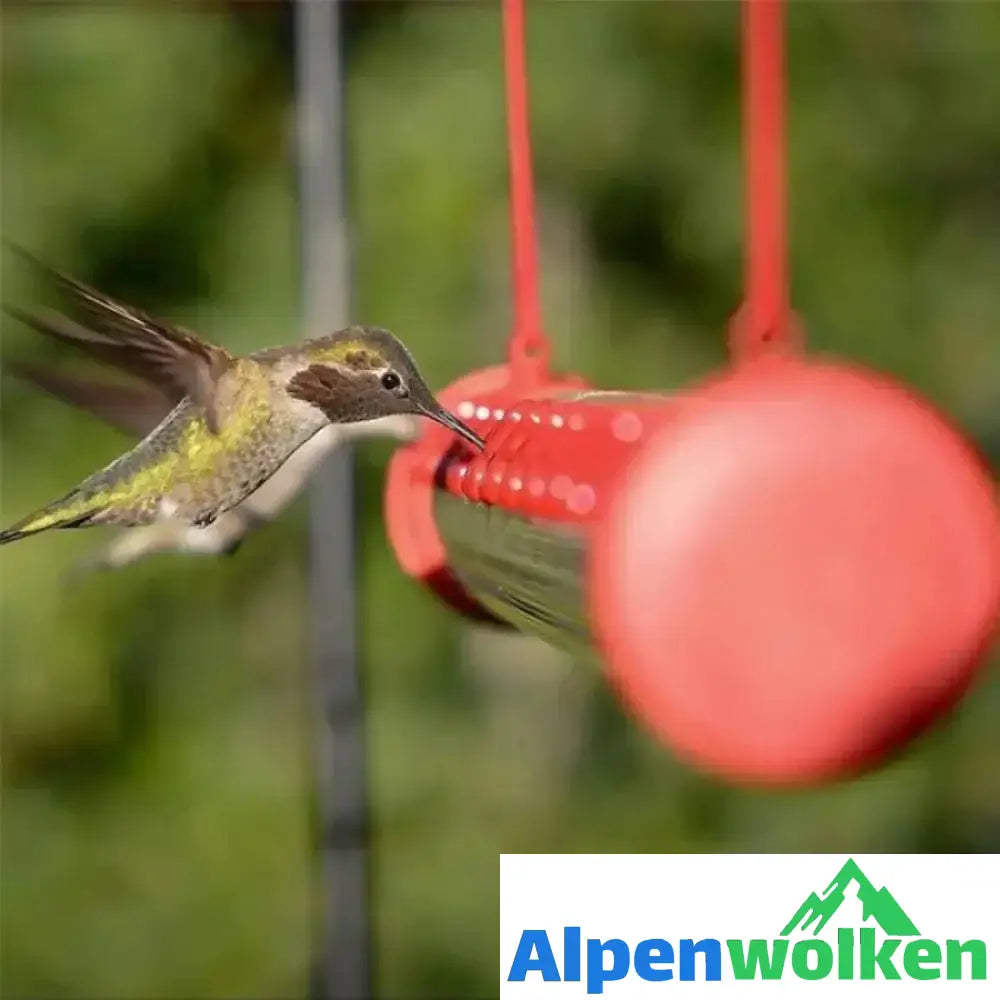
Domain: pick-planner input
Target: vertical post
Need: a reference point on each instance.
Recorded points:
(341, 942)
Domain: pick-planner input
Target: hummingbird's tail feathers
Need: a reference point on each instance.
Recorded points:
(35, 524)
(132, 409)
(131, 545)
(67, 513)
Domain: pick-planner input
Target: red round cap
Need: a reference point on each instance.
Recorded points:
(798, 574)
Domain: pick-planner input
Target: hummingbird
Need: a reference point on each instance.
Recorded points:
(135, 410)
(236, 419)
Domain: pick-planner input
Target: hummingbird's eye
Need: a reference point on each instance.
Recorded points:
(391, 381)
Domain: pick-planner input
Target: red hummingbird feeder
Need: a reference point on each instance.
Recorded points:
(787, 571)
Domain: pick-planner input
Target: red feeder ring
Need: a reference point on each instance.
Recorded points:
(414, 470)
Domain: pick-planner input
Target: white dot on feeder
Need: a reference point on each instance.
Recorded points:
(483, 412)
(535, 418)
(514, 415)
(515, 483)
(576, 422)
(536, 487)
(463, 471)
(627, 426)
(581, 499)
(466, 409)
(498, 413)
(557, 420)
(560, 486)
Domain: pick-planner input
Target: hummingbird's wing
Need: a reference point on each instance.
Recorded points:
(177, 361)
(133, 409)
(61, 328)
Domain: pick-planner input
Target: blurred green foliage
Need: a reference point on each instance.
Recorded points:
(155, 723)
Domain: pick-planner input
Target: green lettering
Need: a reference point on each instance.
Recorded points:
(882, 958)
(757, 956)
(921, 959)
(845, 953)
(975, 949)
(800, 959)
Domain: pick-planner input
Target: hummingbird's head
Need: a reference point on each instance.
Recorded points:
(363, 373)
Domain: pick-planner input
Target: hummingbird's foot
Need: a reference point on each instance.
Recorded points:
(231, 547)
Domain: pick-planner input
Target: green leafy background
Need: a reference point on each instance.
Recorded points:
(156, 722)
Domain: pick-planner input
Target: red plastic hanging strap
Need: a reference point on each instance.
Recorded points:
(764, 323)
(528, 350)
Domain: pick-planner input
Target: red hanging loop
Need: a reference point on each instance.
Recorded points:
(764, 323)
(528, 349)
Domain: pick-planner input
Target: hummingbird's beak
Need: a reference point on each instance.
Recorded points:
(449, 420)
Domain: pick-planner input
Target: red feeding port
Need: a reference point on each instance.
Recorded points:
(787, 571)
(483, 398)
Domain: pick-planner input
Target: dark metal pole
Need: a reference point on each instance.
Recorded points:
(341, 944)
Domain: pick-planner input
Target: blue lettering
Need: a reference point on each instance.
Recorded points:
(653, 950)
(597, 974)
(610, 960)
(711, 948)
(545, 963)
(571, 954)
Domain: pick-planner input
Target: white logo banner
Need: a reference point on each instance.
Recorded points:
(739, 925)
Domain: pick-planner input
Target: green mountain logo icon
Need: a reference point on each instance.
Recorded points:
(878, 904)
